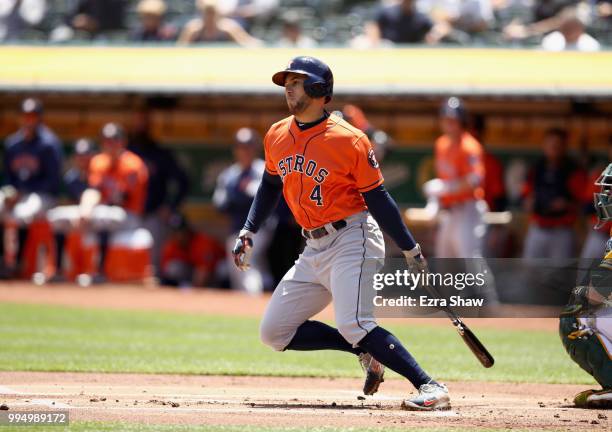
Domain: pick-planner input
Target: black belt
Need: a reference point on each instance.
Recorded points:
(322, 232)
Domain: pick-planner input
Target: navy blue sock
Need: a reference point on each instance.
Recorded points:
(388, 350)
(315, 335)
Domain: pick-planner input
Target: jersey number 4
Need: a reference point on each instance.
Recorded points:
(315, 195)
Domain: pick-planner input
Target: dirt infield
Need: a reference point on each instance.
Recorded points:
(307, 402)
(268, 401)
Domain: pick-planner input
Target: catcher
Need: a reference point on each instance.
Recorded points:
(586, 322)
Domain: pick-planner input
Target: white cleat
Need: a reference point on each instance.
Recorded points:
(431, 397)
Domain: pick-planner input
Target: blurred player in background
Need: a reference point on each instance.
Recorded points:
(64, 219)
(553, 193)
(586, 322)
(117, 187)
(189, 258)
(459, 188)
(493, 183)
(168, 184)
(498, 238)
(33, 164)
(236, 188)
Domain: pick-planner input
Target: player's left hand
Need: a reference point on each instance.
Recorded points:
(415, 260)
(242, 250)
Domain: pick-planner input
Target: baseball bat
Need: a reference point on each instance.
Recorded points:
(468, 336)
(470, 339)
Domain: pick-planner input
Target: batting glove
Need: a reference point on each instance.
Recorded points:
(415, 260)
(243, 249)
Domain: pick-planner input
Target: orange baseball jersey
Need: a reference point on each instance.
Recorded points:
(454, 162)
(122, 183)
(324, 169)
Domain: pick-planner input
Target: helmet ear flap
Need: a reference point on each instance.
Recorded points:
(317, 90)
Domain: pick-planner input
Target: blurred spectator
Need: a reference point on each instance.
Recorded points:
(545, 17)
(91, 19)
(213, 27)
(189, 258)
(33, 163)
(553, 192)
(115, 198)
(544, 9)
(459, 186)
(152, 27)
(168, 183)
(399, 23)
(457, 20)
(245, 12)
(64, 219)
(595, 242)
(236, 188)
(18, 15)
(570, 36)
(604, 8)
(292, 33)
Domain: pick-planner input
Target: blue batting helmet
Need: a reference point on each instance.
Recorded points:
(319, 80)
(453, 107)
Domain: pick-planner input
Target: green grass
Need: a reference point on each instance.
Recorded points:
(125, 427)
(51, 338)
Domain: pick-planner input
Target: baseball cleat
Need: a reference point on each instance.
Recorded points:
(431, 397)
(601, 399)
(375, 372)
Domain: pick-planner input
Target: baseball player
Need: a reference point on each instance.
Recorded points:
(329, 176)
(460, 170)
(64, 218)
(114, 199)
(234, 193)
(33, 163)
(586, 323)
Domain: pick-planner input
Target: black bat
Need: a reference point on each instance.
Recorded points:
(468, 336)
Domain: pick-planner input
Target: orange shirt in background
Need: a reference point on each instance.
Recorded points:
(324, 169)
(455, 162)
(122, 182)
(202, 253)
